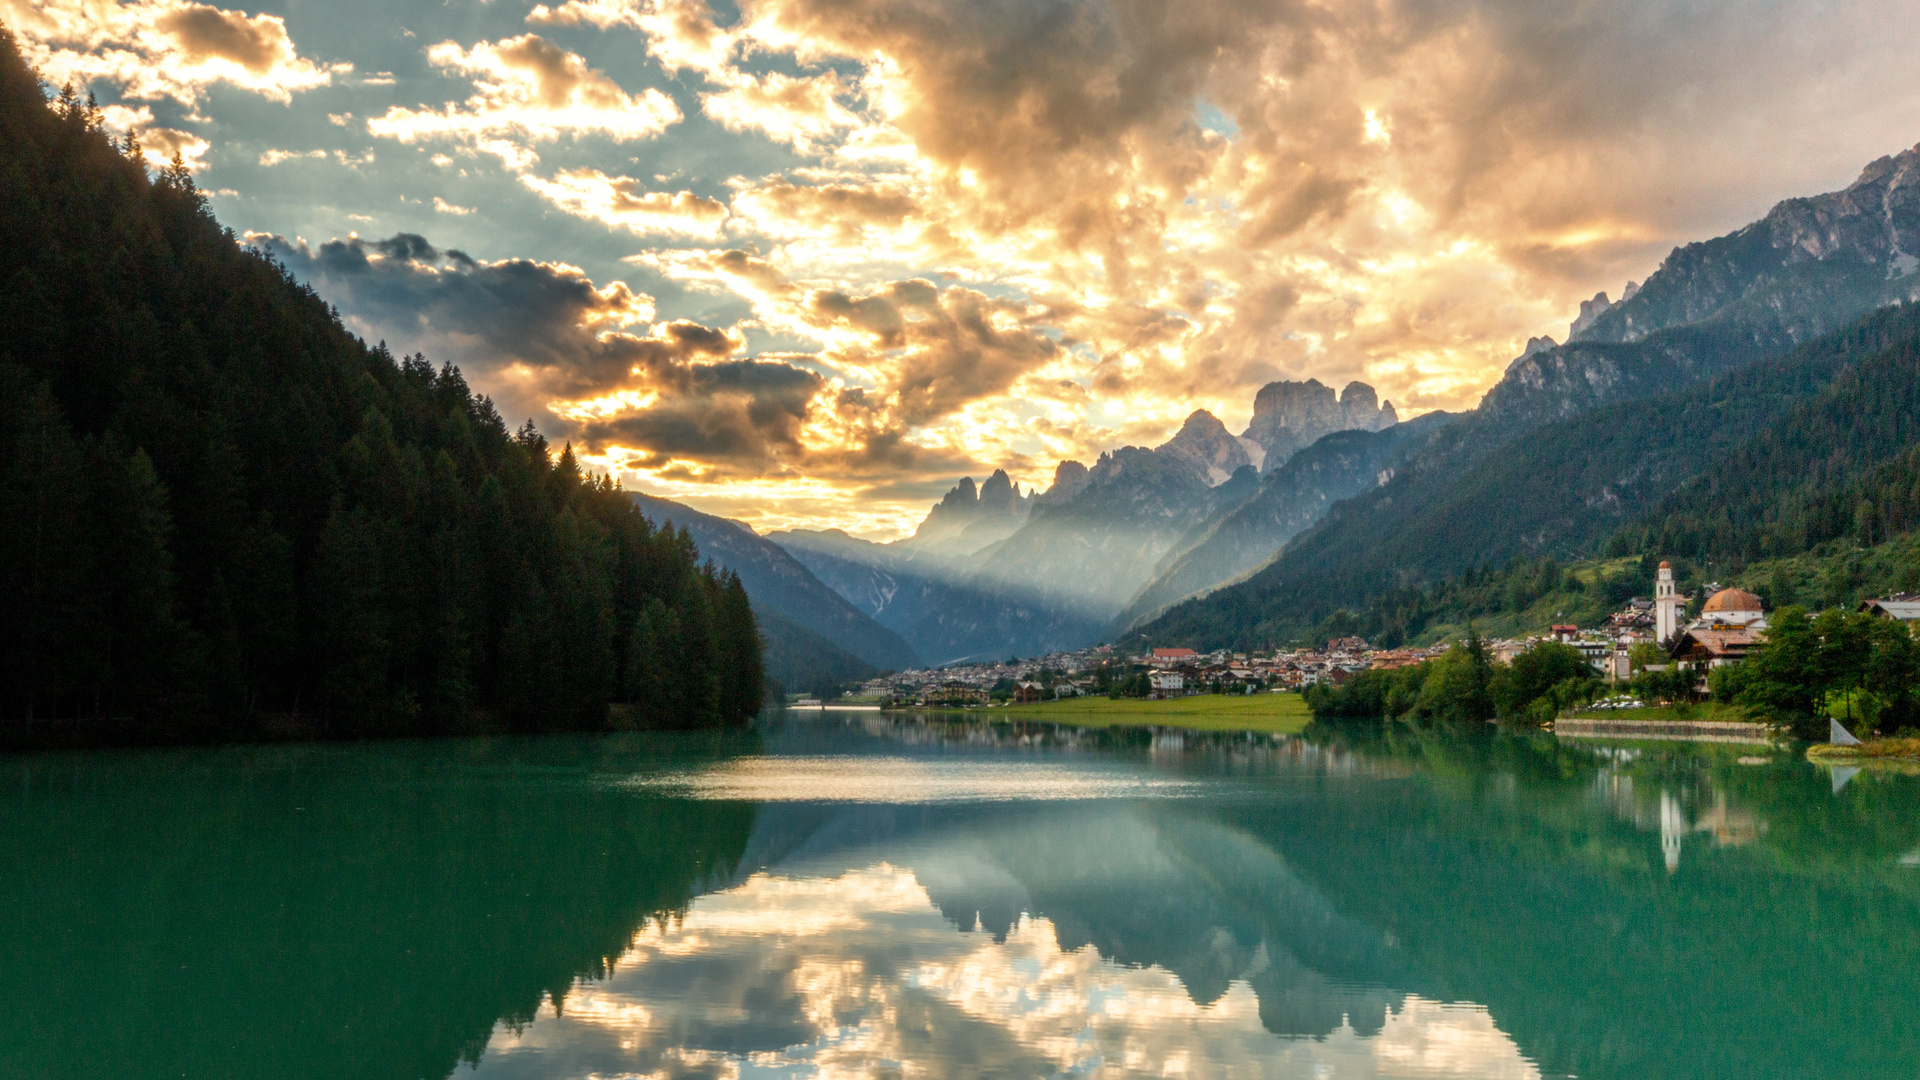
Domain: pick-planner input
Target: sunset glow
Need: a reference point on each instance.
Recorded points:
(923, 240)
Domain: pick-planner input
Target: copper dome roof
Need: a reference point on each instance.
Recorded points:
(1731, 600)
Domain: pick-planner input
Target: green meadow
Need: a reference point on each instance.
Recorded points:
(1282, 713)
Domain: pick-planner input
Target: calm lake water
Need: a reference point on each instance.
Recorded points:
(896, 898)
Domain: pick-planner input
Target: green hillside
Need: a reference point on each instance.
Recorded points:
(226, 517)
(1844, 464)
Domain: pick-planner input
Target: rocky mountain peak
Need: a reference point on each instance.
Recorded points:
(963, 494)
(1070, 478)
(1290, 415)
(1000, 495)
(1204, 442)
(1875, 218)
(1590, 310)
(1535, 345)
(995, 507)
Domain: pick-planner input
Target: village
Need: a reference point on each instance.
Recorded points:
(1649, 633)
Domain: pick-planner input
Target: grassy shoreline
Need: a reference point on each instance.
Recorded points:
(1872, 749)
(1271, 713)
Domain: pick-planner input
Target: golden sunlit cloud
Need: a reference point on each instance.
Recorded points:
(271, 158)
(803, 112)
(526, 89)
(164, 50)
(624, 202)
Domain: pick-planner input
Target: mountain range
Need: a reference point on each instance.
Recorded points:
(1649, 398)
(994, 571)
(1326, 500)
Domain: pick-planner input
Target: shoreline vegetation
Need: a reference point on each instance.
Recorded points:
(1907, 749)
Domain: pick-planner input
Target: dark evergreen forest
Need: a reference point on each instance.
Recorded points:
(224, 516)
(1845, 463)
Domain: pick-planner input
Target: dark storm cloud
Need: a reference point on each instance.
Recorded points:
(540, 334)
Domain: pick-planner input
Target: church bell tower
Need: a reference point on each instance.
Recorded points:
(1666, 606)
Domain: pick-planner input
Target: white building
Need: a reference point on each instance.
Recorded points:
(1167, 683)
(1666, 606)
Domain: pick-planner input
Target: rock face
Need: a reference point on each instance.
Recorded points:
(1590, 312)
(1204, 442)
(1811, 264)
(1070, 478)
(968, 519)
(1290, 415)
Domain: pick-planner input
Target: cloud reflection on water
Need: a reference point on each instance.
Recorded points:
(860, 975)
(900, 780)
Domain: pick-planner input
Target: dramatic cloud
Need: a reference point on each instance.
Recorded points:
(949, 235)
(623, 201)
(805, 112)
(164, 50)
(533, 329)
(1194, 200)
(587, 359)
(604, 14)
(528, 89)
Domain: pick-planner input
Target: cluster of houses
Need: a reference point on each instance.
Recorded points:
(1169, 672)
(1042, 678)
(1177, 672)
(1732, 622)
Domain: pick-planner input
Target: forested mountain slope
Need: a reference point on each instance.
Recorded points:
(1845, 463)
(227, 517)
(775, 581)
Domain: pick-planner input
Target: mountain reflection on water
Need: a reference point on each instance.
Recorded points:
(885, 896)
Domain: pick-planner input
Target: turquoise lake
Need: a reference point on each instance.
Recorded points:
(873, 896)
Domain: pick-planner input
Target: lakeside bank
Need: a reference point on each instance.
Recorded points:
(1284, 714)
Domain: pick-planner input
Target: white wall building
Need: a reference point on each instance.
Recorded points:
(1666, 606)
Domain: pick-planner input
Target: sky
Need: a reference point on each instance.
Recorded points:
(807, 262)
